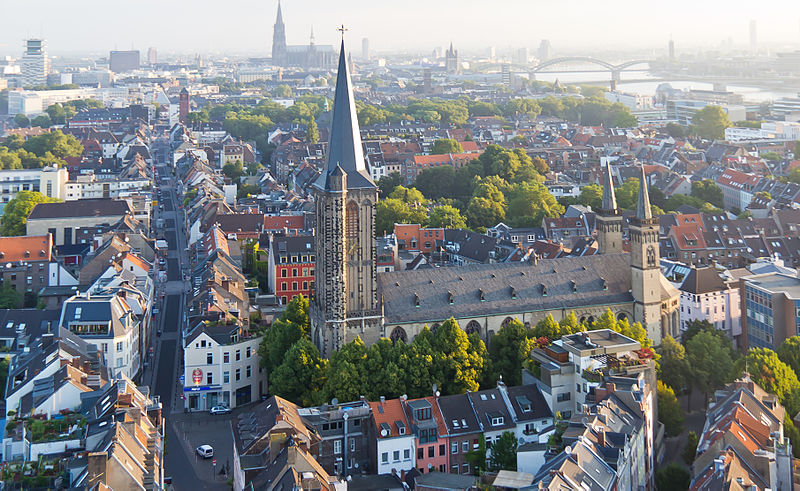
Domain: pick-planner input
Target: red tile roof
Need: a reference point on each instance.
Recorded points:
(292, 222)
(26, 248)
(388, 412)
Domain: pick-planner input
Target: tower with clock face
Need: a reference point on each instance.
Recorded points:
(345, 300)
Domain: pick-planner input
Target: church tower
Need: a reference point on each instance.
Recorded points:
(279, 40)
(609, 220)
(345, 300)
(645, 265)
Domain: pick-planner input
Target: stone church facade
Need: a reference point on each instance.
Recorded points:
(350, 299)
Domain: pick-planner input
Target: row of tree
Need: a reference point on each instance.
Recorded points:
(38, 151)
(707, 361)
(500, 183)
(594, 110)
(705, 195)
(445, 356)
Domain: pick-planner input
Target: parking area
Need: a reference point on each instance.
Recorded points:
(195, 429)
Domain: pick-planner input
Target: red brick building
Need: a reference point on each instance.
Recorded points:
(291, 266)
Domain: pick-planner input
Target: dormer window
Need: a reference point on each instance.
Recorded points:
(416, 300)
(497, 421)
(574, 286)
(482, 295)
(27, 253)
(450, 297)
(513, 292)
(544, 289)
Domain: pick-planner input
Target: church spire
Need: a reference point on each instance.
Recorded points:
(279, 18)
(643, 211)
(344, 146)
(609, 197)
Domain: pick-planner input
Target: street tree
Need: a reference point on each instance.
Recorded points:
(789, 352)
(710, 123)
(672, 477)
(673, 367)
(711, 362)
(504, 453)
(772, 375)
(669, 410)
(16, 211)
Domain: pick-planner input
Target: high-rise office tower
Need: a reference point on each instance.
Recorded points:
(544, 50)
(753, 37)
(35, 64)
(123, 61)
(365, 48)
(152, 56)
(671, 50)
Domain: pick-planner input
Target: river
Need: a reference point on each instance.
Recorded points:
(636, 84)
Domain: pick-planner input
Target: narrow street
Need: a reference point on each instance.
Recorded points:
(181, 463)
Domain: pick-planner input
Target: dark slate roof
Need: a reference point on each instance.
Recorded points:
(458, 415)
(495, 280)
(99, 207)
(522, 395)
(489, 404)
(702, 280)
(345, 151)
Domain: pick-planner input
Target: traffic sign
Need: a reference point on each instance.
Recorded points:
(214, 461)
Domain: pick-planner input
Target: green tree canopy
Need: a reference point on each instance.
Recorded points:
(508, 350)
(710, 123)
(16, 211)
(504, 453)
(41, 121)
(672, 477)
(708, 191)
(675, 130)
(302, 375)
(773, 375)
(21, 121)
(669, 410)
(710, 358)
(55, 144)
(446, 145)
(673, 367)
(446, 216)
(386, 184)
(789, 353)
(690, 450)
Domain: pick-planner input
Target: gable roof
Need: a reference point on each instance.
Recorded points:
(702, 280)
(26, 248)
(99, 207)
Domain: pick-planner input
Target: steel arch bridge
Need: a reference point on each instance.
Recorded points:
(588, 59)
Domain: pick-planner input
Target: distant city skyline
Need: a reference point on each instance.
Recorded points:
(245, 26)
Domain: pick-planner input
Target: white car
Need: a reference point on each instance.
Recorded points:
(221, 409)
(205, 451)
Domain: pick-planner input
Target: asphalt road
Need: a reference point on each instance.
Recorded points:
(173, 271)
(172, 242)
(172, 314)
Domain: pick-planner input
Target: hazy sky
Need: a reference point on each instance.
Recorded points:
(245, 26)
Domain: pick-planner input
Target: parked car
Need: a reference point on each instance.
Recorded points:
(205, 451)
(221, 409)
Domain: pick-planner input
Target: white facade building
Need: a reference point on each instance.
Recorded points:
(221, 367)
(35, 64)
(704, 296)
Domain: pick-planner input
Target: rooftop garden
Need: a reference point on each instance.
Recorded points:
(39, 474)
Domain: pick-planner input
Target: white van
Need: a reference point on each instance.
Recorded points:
(205, 451)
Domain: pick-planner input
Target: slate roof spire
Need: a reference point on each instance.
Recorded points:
(643, 211)
(279, 18)
(609, 196)
(344, 146)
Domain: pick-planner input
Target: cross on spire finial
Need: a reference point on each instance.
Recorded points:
(342, 29)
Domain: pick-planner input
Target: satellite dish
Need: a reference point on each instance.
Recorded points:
(384, 432)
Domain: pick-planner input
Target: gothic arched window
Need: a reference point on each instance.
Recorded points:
(473, 326)
(506, 321)
(351, 220)
(398, 334)
(651, 257)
